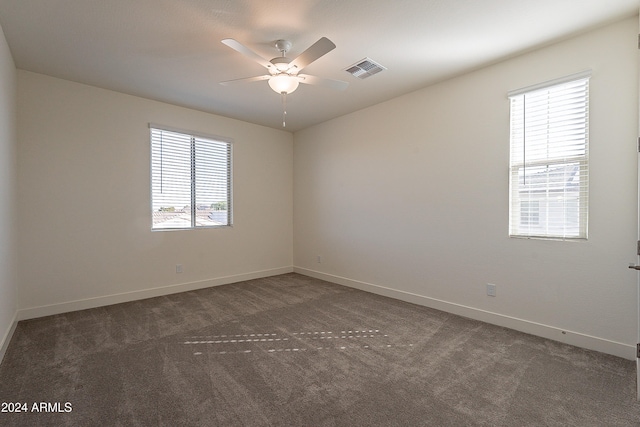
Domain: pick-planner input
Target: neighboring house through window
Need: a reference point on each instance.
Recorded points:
(549, 167)
(190, 180)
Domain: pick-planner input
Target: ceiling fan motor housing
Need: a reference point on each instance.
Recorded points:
(281, 63)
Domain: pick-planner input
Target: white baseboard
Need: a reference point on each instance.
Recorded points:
(66, 307)
(625, 351)
(6, 339)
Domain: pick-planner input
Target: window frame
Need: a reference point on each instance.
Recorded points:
(194, 137)
(561, 163)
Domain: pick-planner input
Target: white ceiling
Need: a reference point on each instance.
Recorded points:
(170, 50)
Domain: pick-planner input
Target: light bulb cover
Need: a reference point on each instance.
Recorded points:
(283, 83)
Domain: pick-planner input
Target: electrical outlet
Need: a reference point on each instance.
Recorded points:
(491, 290)
(178, 268)
(319, 259)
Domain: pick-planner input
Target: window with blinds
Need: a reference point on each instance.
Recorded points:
(549, 167)
(190, 180)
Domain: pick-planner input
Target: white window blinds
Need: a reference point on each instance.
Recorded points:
(549, 168)
(190, 180)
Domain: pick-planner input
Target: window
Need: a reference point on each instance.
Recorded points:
(190, 180)
(549, 168)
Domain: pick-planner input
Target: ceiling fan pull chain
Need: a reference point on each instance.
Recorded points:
(284, 109)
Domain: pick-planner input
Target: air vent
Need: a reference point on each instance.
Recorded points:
(364, 68)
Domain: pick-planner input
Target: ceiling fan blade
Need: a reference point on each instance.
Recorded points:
(315, 51)
(320, 81)
(238, 47)
(245, 80)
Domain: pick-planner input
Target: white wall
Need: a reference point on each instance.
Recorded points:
(84, 201)
(8, 144)
(409, 198)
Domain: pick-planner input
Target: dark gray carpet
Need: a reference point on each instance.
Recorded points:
(295, 351)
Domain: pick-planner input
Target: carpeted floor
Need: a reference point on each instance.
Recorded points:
(291, 350)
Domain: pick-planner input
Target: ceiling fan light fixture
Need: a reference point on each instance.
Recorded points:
(283, 83)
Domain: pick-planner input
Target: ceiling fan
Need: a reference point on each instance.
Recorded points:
(284, 72)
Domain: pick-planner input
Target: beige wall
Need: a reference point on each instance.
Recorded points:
(84, 200)
(409, 198)
(8, 144)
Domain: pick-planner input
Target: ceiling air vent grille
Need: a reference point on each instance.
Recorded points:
(364, 68)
